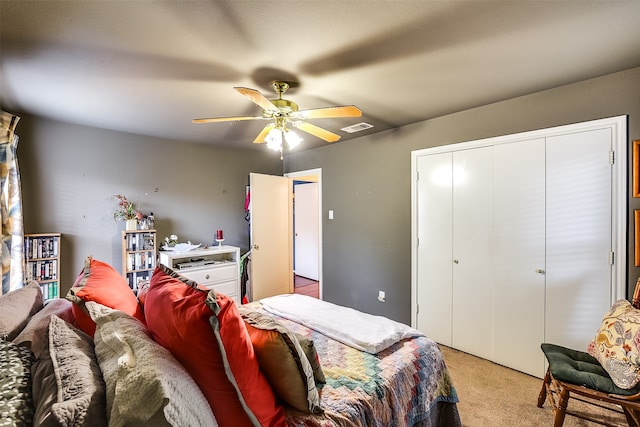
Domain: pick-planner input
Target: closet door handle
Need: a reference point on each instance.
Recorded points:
(540, 271)
(455, 261)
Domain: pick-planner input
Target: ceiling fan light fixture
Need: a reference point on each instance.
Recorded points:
(276, 135)
(292, 138)
(274, 139)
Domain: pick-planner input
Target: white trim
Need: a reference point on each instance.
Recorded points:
(619, 122)
(318, 174)
(414, 236)
(618, 126)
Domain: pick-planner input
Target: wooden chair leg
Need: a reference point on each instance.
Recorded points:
(633, 418)
(561, 409)
(545, 389)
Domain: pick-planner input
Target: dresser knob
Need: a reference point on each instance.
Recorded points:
(207, 277)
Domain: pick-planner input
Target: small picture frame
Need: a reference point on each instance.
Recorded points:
(636, 168)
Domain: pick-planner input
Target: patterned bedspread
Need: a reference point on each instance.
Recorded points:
(405, 385)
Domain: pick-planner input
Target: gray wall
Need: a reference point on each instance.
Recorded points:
(366, 181)
(70, 173)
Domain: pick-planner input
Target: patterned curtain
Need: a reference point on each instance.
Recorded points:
(12, 235)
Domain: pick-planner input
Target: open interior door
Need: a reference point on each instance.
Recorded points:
(271, 240)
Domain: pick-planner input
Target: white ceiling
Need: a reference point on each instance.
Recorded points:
(149, 67)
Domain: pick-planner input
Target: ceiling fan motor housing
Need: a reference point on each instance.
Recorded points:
(284, 106)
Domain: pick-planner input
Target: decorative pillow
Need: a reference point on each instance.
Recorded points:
(146, 385)
(16, 404)
(38, 325)
(45, 388)
(17, 307)
(204, 331)
(100, 282)
(617, 344)
(35, 336)
(282, 361)
(80, 399)
(310, 351)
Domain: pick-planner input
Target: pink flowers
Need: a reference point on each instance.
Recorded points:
(125, 210)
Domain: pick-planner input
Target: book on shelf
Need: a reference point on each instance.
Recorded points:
(41, 247)
(41, 256)
(138, 256)
(50, 290)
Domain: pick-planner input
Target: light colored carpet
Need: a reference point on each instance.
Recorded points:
(492, 395)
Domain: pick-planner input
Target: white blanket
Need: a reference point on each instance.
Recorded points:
(359, 330)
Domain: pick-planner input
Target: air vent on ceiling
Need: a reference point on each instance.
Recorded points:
(357, 127)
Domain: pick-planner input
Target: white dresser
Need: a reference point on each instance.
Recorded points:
(216, 268)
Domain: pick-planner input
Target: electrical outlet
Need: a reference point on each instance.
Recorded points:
(382, 297)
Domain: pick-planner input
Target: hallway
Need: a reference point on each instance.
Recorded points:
(304, 286)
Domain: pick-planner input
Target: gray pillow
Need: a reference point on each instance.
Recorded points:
(38, 325)
(146, 385)
(36, 337)
(17, 307)
(81, 391)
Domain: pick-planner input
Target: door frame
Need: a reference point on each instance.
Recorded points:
(305, 229)
(314, 175)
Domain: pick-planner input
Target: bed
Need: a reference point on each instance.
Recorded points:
(405, 384)
(184, 355)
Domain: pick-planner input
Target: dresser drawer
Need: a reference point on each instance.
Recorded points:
(226, 288)
(212, 275)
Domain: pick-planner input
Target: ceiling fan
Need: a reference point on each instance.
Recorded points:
(286, 113)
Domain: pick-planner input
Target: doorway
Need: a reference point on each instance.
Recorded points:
(307, 233)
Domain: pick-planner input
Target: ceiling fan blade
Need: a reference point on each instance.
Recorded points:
(263, 134)
(257, 98)
(329, 112)
(316, 131)
(227, 119)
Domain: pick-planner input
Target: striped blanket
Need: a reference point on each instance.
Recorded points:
(406, 384)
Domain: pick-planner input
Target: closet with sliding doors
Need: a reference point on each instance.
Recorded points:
(519, 240)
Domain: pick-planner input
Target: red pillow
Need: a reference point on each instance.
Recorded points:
(205, 332)
(100, 282)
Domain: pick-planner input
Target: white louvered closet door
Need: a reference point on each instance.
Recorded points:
(579, 236)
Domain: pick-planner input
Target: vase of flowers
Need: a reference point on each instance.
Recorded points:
(126, 211)
(171, 241)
